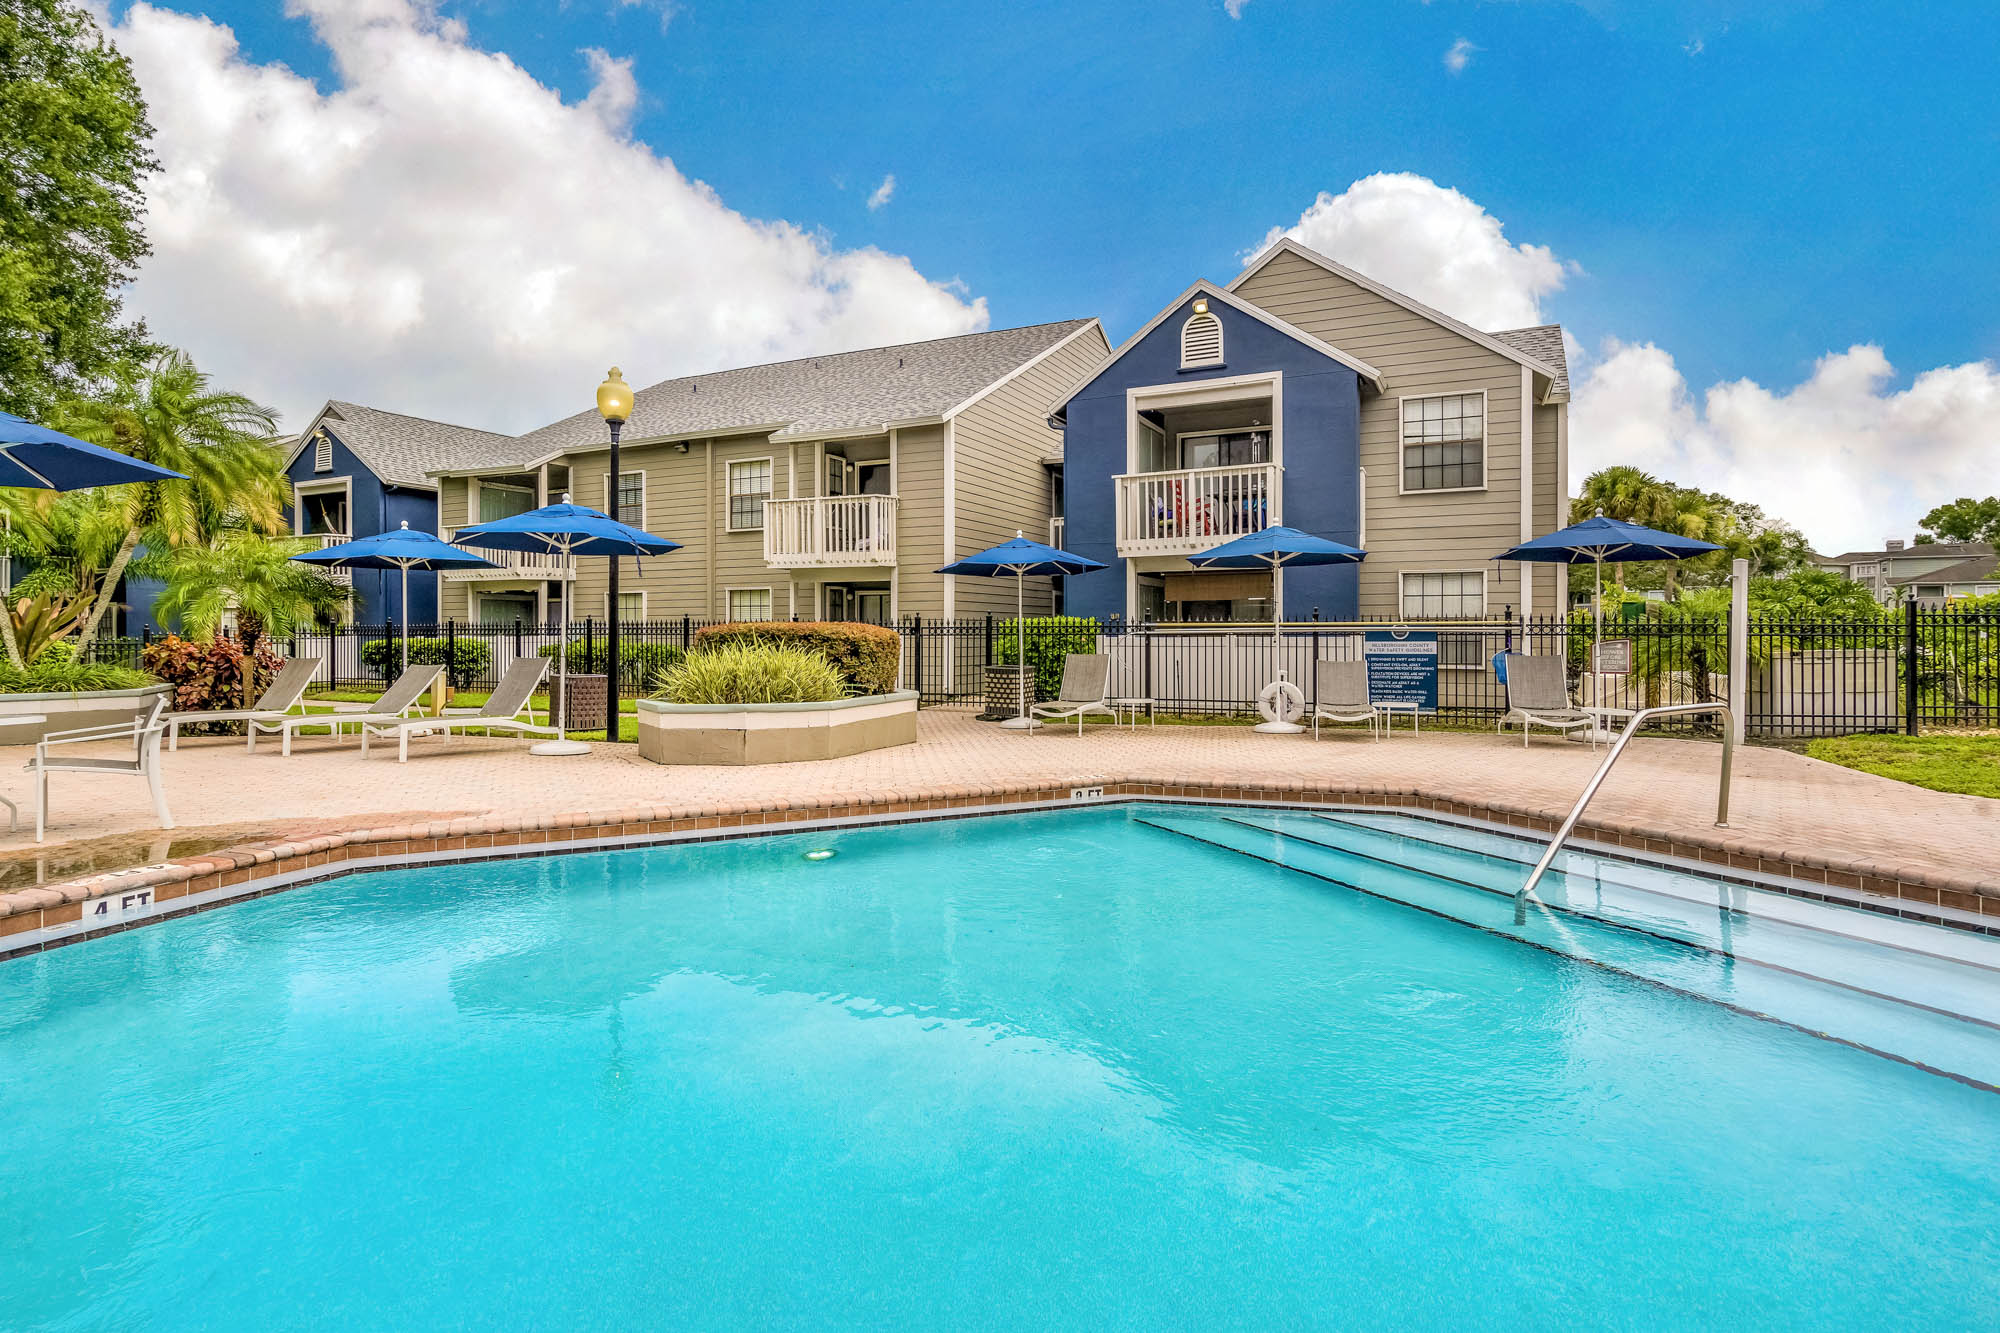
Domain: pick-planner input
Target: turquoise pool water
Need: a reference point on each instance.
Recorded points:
(1123, 1066)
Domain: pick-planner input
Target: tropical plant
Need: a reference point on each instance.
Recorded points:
(253, 577)
(59, 545)
(211, 673)
(73, 138)
(868, 657)
(40, 619)
(169, 415)
(56, 671)
(750, 672)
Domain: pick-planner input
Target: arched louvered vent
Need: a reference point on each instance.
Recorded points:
(1201, 341)
(322, 452)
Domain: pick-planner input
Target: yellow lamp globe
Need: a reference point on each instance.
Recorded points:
(614, 398)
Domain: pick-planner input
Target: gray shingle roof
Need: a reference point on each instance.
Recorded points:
(815, 394)
(1915, 550)
(401, 449)
(1544, 342)
(1978, 569)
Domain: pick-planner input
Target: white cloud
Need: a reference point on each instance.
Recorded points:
(883, 192)
(441, 234)
(1234, 8)
(1459, 56)
(1843, 455)
(1435, 244)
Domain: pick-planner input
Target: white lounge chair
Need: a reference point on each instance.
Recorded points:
(279, 699)
(1538, 696)
(143, 732)
(394, 704)
(1086, 686)
(1340, 694)
(501, 712)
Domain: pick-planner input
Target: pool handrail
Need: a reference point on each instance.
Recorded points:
(1637, 720)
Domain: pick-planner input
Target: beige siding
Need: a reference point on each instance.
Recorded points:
(1418, 357)
(1001, 483)
(454, 602)
(920, 520)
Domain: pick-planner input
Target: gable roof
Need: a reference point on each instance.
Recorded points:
(1978, 569)
(1916, 550)
(398, 449)
(1203, 287)
(1491, 342)
(814, 397)
(1543, 342)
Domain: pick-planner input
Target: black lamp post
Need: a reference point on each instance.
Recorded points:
(614, 404)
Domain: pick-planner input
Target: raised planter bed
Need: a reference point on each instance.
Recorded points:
(774, 733)
(67, 711)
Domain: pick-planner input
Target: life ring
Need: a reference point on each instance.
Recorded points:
(1281, 701)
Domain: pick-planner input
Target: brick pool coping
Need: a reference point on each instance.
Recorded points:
(93, 905)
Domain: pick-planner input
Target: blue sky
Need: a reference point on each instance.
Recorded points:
(1744, 188)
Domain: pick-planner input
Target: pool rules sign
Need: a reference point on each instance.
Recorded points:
(1402, 667)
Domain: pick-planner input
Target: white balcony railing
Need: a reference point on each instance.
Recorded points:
(1056, 533)
(509, 566)
(1181, 513)
(830, 530)
(338, 573)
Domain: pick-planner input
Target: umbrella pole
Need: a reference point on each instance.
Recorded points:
(406, 616)
(1024, 677)
(1280, 727)
(559, 705)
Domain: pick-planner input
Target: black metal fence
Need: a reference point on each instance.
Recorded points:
(1919, 668)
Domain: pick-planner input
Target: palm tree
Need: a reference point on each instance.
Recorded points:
(170, 416)
(253, 576)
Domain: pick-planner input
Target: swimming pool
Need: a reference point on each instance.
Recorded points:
(1127, 1065)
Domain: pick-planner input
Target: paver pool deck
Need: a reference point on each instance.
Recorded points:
(1789, 814)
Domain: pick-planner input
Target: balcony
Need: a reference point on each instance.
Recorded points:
(830, 531)
(1187, 512)
(508, 566)
(322, 540)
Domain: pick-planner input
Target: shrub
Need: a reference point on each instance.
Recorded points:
(212, 673)
(470, 657)
(56, 671)
(742, 672)
(866, 656)
(639, 663)
(1050, 639)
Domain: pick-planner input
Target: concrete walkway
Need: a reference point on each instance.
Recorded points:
(1784, 805)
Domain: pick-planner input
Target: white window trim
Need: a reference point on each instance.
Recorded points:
(1485, 447)
(323, 486)
(764, 588)
(1220, 346)
(611, 499)
(640, 593)
(770, 492)
(1485, 585)
(1181, 438)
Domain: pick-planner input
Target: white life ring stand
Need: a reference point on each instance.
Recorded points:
(1282, 702)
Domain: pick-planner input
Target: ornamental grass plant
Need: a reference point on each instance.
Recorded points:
(751, 672)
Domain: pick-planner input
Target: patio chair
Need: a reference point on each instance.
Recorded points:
(280, 698)
(394, 704)
(501, 712)
(143, 733)
(1340, 694)
(1538, 696)
(1086, 685)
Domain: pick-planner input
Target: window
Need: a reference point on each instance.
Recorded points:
(322, 452)
(1201, 341)
(1234, 448)
(1444, 443)
(749, 603)
(1456, 596)
(631, 606)
(498, 502)
(631, 502)
(749, 488)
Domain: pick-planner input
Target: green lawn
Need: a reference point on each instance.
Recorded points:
(1969, 764)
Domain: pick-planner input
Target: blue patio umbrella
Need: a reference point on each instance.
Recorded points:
(402, 549)
(1277, 548)
(1598, 539)
(48, 460)
(1019, 559)
(567, 531)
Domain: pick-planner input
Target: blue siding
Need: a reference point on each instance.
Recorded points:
(1321, 443)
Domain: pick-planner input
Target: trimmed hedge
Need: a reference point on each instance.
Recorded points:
(639, 663)
(1050, 640)
(866, 656)
(470, 657)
